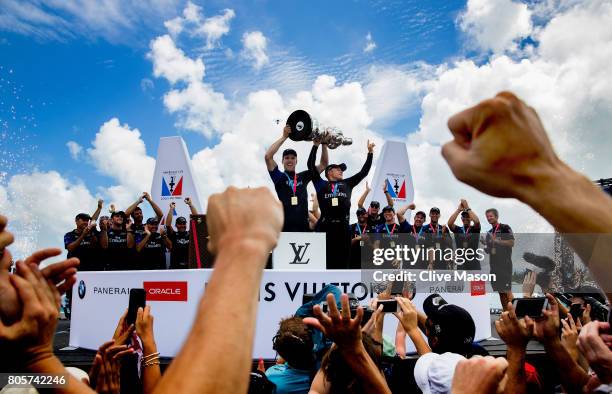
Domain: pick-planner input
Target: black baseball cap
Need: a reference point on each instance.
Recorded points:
(181, 220)
(452, 324)
(83, 216)
(341, 166)
(388, 208)
(118, 213)
(465, 214)
(434, 209)
(152, 221)
(289, 151)
(374, 204)
(361, 211)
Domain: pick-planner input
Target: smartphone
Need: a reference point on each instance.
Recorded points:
(576, 311)
(531, 307)
(137, 300)
(307, 297)
(388, 305)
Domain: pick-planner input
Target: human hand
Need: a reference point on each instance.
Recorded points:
(412, 206)
(464, 204)
(123, 332)
(144, 325)
(89, 227)
(8, 294)
(336, 325)
(244, 215)
(172, 205)
(104, 225)
(546, 328)
(146, 231)
(515, 332)
(371, 146)
(500, 147)
(286, 131)
(367, 187)
(592, 344)
(569, 335)
(100, 203)
(146, 196)
(586, 314)
(479, 375)
(408, 315)
(105, 370)
(188, 201)
(529, 283)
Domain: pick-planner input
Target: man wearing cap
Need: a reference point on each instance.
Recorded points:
(436, 237)
(467, 235)
(118, 243)
(136, 213)
(499, 242)
(152, 247)
(374, 218)
(359, 233)
(290, 185)
(82, 242)
(334, 196)
(179, 251)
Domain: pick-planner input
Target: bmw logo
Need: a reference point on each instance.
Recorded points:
(82, 289)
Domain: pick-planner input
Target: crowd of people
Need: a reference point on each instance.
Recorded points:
(499, 147)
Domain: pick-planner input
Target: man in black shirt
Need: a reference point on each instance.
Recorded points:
(498, 244)
(374, 217)
(334, 196)
(136, 213)
(359, 233)
(436, 237)
(415, 230)
(117, 242)
(152, 247)
(290, 185)
(179, 251)
(82, 242)
(467, 235)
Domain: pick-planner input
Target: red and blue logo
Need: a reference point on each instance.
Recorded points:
(395, 189)
(174, 188)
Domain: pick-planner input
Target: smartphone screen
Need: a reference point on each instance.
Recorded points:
(531, 307)
(388, 305)
(137, 300)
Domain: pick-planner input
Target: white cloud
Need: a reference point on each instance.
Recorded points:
(195, 24)
(171, 63)
(495, 24)
(120, 153)
(216, 27)
(370, 44)
(146, 84)
(254, 48)
(74, 149)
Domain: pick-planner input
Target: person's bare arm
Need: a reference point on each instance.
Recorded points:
(400, 340)
(324, 162)
(143, 241)
(171, 207)
(363, 196)
(387, 195)
(269, 156)
(130, 209)
(453, 217)
(316, 212)
(167, 242)
(402, 212)
(471, 212)
(96, 214)
(130, 240)
(409, 319)
(319, 385)
(151, 373)
(192, 207)
(501, 148)
(158, 212)
(75, 244)
(244, 226)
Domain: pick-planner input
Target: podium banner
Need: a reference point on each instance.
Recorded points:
(99, 299)
(299, 251)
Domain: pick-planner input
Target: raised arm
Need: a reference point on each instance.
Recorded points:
(222, 334)
(471, 212)
(144, 240)
(168, 223)
(311, 162)
(387, 195)
(316, 212)
(96, 214)
(75, 244)
(156, 208)
(358, 177)
(324, 162)
(409, 318)
(402, 212)
(192, 208)
(130, 209)
(501, 148)
(269, 156)
(453, 217)
(363, 196)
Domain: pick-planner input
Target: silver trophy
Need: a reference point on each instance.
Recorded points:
(305, 128)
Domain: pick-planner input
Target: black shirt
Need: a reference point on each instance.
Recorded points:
(341, 190)
(376, 222)
(296, 216)
(86, 251)
(179, 254)
(466, 236)
(118, 254)
(500, 252)
(153, 255)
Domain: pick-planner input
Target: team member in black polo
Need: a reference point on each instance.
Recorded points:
(415, 230)
(291, 185)
(179, 252)
(436, 237)
(359, 242)
(117, 242)
(152, 247)
(499, 242)
(334, 196)
(136, 213)
(83, 243)
(467, 235)
(374, 217)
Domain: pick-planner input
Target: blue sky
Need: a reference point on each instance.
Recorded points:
(218, 73)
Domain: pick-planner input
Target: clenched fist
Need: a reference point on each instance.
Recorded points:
(239, 215)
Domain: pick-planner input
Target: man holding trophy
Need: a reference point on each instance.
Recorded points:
(290, 185)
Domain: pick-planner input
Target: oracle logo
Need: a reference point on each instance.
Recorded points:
(477, 288)
(166, 291)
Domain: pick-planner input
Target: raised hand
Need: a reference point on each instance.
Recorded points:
(546, 329)
(594, 348)
(479, 375)
(529, 283)
(513, 331)
(407, 315)
(123, 331)
(286, 131)
(338, 325)
(371, 146)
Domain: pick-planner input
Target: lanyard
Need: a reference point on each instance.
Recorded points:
(466, 231)
(496, 227)
(416, 236)
(392, 230)
(360, 230)
(334, 188)
(437, 229)
(293, 183)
